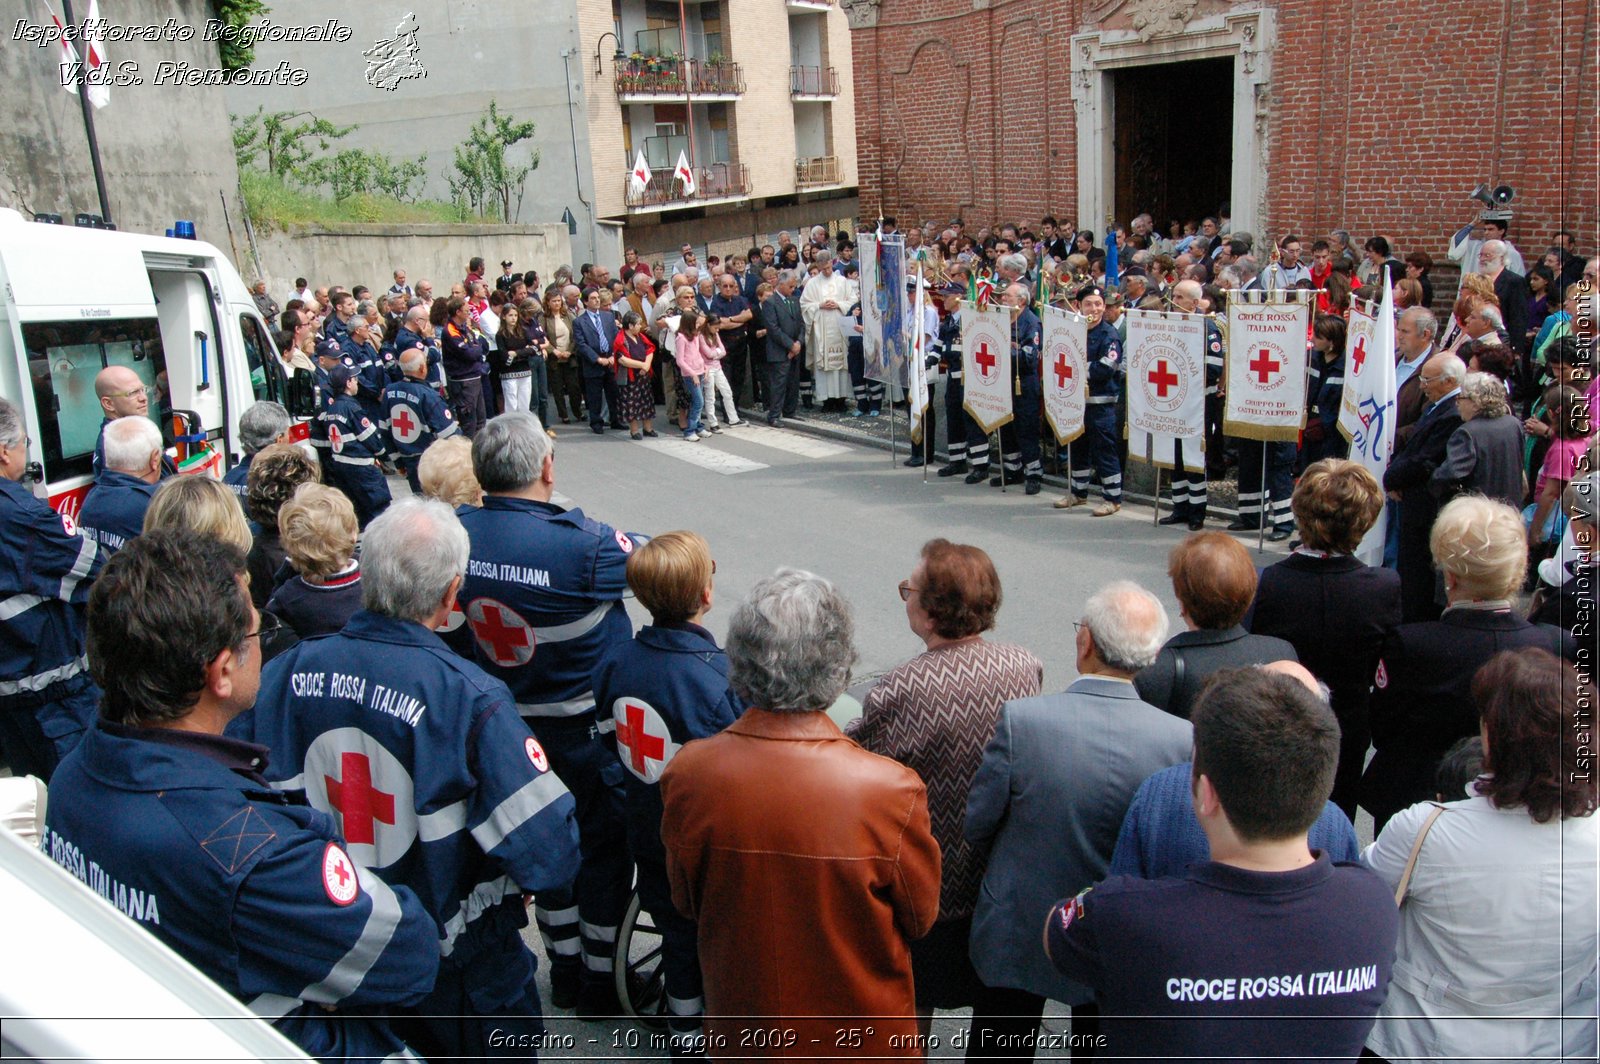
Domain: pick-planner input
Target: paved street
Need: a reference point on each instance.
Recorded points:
(770, 497)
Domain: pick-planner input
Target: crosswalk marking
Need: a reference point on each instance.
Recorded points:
(701, 455)
(795, 443)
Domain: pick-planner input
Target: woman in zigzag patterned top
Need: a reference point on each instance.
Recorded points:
(934, 714)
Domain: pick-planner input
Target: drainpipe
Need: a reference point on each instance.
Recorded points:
(577, 173)
(688, 84)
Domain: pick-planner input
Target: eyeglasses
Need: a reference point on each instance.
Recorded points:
(906, 588)
(268, 625)
(1425, 379)
(713, 567)
(1078, 626)
(129, 394)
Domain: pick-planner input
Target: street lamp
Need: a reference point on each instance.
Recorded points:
(618, 59)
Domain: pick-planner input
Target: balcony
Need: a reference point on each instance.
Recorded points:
(813, 82)
(816, 172)
(643, 78)
(715, 183)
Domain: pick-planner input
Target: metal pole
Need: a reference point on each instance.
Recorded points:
(1261, 522)
(88, 120)
(1155, 518)
(886, 395)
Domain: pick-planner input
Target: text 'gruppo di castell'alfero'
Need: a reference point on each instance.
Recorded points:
(179, 73)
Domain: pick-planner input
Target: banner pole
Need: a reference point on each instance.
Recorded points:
(1261, 522)
(1000, 461)
(888, 395)
(1155, 518)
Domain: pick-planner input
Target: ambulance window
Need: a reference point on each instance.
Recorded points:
(63, 359)
(259, 352)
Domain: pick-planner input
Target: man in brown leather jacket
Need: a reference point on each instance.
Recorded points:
(807, 861)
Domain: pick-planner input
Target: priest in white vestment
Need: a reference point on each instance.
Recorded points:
(827, 296)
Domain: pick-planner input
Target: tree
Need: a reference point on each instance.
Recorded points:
(360, 171)
(288, 148)
(483, 177)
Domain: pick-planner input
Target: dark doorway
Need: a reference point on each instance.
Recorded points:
(1174, 139)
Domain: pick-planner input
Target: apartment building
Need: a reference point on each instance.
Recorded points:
(754, 94)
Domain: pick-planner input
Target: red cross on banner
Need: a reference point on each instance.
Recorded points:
(1063, 369)
(360, 804)
(1360, 354)
(1264, 366)
(1163, 378)
(984, 358)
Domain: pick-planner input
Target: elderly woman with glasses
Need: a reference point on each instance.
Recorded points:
(1421, 700)
(935, 713)
(1484, 455)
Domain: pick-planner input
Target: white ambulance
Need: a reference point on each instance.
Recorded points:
(174, 311)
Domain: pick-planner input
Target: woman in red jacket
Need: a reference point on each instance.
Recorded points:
(634, 357)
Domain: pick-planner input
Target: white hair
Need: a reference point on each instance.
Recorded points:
(129, 443)
(791, 643)
(1129, 625)
(1495, 249)
(409, 556)
(11, 429)
(1246, 268)
(412, 358)
(1491, 314)
(1423, 319)
(508, 453)
(1015, 262)
(1451, 368)
(261, 424)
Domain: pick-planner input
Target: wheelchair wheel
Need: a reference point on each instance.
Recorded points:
(636, 967)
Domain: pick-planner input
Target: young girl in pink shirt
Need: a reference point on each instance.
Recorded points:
(691, 371)
(716, 382)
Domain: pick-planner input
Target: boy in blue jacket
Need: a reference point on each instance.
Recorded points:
(665, 687)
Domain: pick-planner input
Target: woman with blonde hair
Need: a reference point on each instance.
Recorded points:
(446, 473)
(1421, 702)
(318, 529)
(566, 379)
(202, 505)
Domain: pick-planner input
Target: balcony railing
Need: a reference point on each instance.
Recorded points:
(820, 170)
(715, 181)
(666, 76)
(813, 81)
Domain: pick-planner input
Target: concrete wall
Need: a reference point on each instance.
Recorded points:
(474, 51)
(166, 150)
(369, 254)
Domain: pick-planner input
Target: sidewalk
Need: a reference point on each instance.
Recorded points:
(1138, 478)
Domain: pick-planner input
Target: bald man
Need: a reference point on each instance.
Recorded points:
(122, 394)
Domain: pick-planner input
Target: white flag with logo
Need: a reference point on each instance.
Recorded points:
(1265, 396)
(1066, 371)
(684, 173)
(917, 364)
(986, 364)
(1166, 386)
(1367, 413)
(640, 176)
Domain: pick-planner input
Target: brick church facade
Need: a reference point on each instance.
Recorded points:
(1303, 114)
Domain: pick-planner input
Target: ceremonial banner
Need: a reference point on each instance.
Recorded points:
(1367, 413)
(986, 365)
(893, 310)
(1166, 386)
(917, 364)
(871, 314)
(1265, 380)
(1066, 371)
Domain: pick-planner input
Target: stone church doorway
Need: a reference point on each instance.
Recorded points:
(1173, 139)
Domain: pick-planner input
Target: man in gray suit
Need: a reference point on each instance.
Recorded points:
(1048, 801)
(786, 332)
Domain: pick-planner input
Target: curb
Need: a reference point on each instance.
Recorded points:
(1060, 483)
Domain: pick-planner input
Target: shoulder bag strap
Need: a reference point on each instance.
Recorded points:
(1411, 861)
